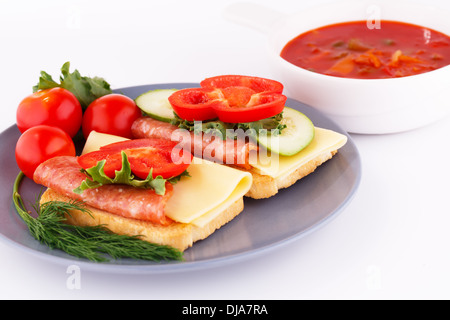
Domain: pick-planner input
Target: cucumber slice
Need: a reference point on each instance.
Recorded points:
(298, 134)
(155, 104)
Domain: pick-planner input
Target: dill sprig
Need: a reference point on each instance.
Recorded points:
(95, 243)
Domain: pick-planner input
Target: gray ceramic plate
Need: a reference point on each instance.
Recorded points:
(262, 226)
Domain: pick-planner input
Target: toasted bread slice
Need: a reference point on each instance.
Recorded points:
(178, 235)
(265, 186)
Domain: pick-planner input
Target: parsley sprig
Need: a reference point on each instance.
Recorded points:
(96, 243)
(96, 177)
(86, 89)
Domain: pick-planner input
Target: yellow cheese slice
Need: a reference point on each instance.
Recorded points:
(95, 140)
(277, 166)
(200, 198)
(210, 189)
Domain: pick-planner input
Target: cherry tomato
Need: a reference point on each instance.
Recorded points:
(233, 99)
(164, 157)
(56, 107)
(112, 114)
(39, 144)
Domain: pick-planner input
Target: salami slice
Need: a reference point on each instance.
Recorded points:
(63, 175)
(207, 146)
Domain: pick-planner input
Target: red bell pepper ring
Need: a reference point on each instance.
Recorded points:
(196, 104)
(233, 99)
(256, 84)
(260, 106)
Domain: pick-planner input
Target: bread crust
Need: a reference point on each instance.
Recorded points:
(264, 186)
(178, 235)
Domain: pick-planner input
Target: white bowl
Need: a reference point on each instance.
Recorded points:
(368, 106)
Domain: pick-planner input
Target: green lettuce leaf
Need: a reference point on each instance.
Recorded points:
(220, 128)
(96, 177)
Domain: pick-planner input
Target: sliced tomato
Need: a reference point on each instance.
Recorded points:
(230, 98)
(196, 104)
(164, 157)
(256, 84)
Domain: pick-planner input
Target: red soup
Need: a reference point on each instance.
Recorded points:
(353, 50)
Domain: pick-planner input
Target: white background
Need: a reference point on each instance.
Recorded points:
(391, 242)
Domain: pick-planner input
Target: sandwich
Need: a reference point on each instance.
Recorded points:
(240, 122)
(168, 210)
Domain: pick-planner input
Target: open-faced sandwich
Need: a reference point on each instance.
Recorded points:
(241, 122)
(145, 187)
